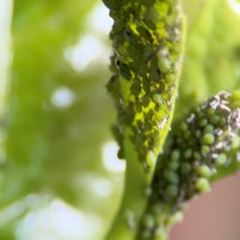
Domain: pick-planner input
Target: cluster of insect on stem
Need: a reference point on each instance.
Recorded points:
(195, 148)
(146, 37)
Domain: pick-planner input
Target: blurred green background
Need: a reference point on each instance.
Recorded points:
(57, 124)
(60, 179)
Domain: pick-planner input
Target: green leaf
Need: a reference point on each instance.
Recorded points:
(211, 61)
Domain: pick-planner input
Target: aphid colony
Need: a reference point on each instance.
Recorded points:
(146, 63)
(194, 150)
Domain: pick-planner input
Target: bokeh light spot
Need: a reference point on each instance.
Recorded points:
(62, 97)
(102, 187)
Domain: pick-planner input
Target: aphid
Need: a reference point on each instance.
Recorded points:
(124, 71)
(171, 191)
(113, 5)
(202, 185)
(130, 36)
(171, 176)
(157, 99)
(117, 26)
(208, 138)
(148, 51)
(185, 168)
(204, 170)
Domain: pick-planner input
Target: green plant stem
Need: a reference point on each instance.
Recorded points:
(133, 197)
(144, 88)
